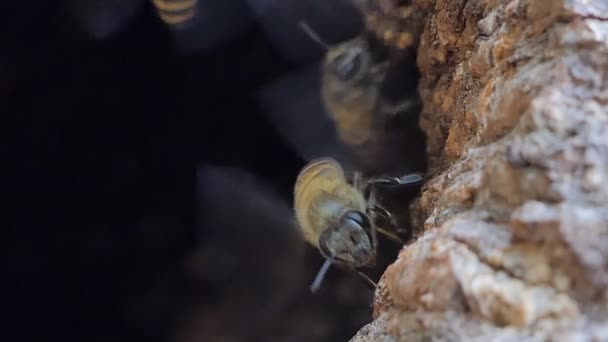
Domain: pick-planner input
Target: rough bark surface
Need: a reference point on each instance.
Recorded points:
(513, 223)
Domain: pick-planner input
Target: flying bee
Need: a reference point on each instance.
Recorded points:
(349, 86)
(335, 217)
(371, 97)
(360, 105)
(349, 91)
(175, 13)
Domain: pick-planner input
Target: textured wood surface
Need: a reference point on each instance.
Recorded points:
(512, 226)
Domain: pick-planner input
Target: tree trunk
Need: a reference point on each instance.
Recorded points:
(513, 221)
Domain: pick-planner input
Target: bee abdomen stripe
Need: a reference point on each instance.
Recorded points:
(321, 164)
(174, 12)
(174, 5)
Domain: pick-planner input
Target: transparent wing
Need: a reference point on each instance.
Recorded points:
(103, 18)
(294, 107)
(236, 203)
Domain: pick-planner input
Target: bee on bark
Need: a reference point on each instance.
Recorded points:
(335, 216)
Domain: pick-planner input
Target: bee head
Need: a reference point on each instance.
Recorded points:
(348, 242)
(349, 61)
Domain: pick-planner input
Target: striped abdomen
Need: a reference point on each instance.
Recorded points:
(175, 12)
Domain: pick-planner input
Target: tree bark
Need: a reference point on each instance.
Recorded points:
(513, 222)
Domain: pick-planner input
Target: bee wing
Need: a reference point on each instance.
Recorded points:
(320, 168)
(243, 219)
(294, 106)
(103, 18)
(317, 177)
(239, 206)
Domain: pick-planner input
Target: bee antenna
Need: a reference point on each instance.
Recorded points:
(313, 35)
(316, 284)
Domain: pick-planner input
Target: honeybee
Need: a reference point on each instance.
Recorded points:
(175, 13)
(336, 217)
(360, 105)
(371, 97)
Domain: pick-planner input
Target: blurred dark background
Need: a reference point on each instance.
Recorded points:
(105, 129)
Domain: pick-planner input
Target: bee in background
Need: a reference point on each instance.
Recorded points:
(369, 107)
(349, 86)
(335, 217)
(196, 25)
(175, 13)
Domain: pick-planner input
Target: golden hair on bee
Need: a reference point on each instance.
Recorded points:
(334, 216)
(350, 88)
(321, 188)
(175, 12)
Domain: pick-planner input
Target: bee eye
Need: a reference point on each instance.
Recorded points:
(347, 65)
(359, 218)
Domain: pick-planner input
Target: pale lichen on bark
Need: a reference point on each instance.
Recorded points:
(513, 225)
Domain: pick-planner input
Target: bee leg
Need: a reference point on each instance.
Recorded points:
(367, 279)
(390, 235)
(394, 110)
(379, 211)
(394, 182)
(376, 210)
(363, 184)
